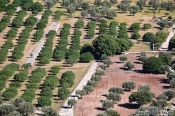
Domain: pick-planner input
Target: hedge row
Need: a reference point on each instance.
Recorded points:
(61, 49)
(6, 73)
(91, 29)
(46, 53)
(4, 23)
(34, 81)
(12, 90)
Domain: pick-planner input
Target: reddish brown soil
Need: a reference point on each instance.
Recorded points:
(90, 105)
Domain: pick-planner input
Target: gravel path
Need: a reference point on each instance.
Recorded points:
(65, 110)
(166, 43)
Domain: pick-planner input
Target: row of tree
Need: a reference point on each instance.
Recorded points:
(46, 53)
(4, 22)
(44, 20)
(34, 80)
(91, 26)
(22, 41)
(49, 84)
(6, 73)
(11, 34)
(61, 49)
(73, 53)
(66, 81)
(12, 90)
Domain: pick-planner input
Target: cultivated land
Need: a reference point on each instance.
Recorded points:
(114, 77)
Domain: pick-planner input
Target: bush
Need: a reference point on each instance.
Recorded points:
(107, 104)
(44, 101)
(135, 27)
(135, 35)
(67, 79)
(123, 58)
(55, 69)
(128, 86)
(29, 95)
(116, 90)
(129, 66)
(149, 37)
(153, 65)
(79, 24)
(58, 14)
(21, 76)
(71, 102)
(86, 57)
(63, 93)
(114, 97)
(147, 26)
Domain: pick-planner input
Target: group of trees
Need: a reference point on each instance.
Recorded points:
(12, 90)
(100, 9)
(157, 38)
(66, 81)
(17, 107)
(61, 49)
(110, 44)
(34, 80)
(157, 64)
(6, 73)
(29, 5)
(46, 53)
(142, 96)
(157, 105)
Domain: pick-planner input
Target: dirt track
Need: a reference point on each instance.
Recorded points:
(90, 105)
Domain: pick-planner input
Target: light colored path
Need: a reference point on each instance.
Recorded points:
(65, 110)
(166, 43)
(34, 53)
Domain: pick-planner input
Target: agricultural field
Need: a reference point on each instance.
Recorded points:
(49, 48)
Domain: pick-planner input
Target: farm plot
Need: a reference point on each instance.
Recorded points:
(114, 77)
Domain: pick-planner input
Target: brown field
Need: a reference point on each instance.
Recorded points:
(90, 105)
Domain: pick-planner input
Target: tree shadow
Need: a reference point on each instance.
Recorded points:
(99, 108)
(164, 81)
(129, 106)
(166, 86)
